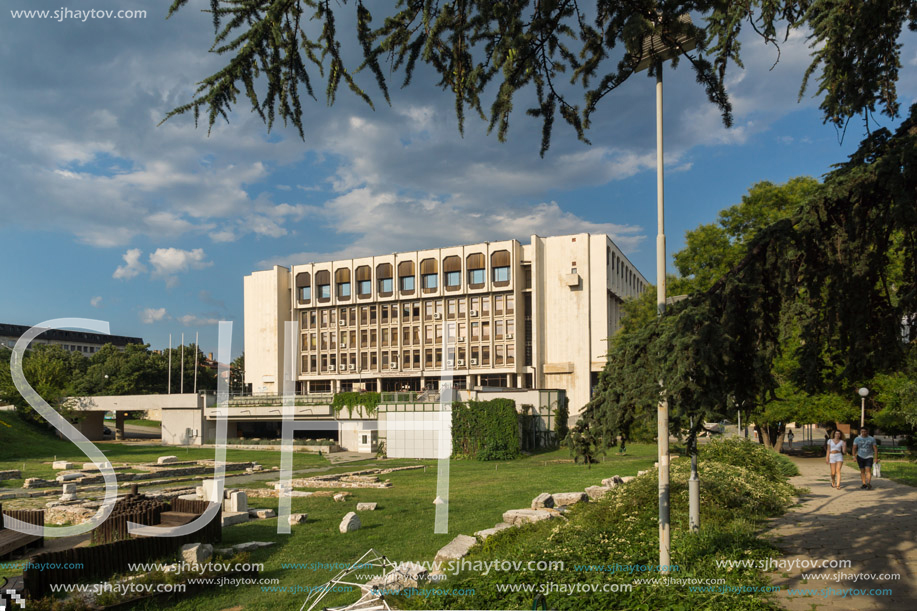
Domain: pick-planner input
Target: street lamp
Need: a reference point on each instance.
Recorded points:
(655, 51)
(863, 392)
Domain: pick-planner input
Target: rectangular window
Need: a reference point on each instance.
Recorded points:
(384, 338)
(428, 334)
(510, 326)
(485, 355)
(485, 306)
(476, 276)
(510, 304)
(498, 305)
(406, 359)
(475, 353)
(510, 355)
(305, 293)
(474, 305)
(364, 338)
(385, 285)
(428, 358)
(429, 281)
(372, 338)
(453, 279)
(324, 319)
(385, 315)
(501, 274)
(428, 310)
(475, 331)
(406, 336)
(395, 338)
(324, 291)
(485, 326)
(407, 283)
(364, 287)
(450, 309)
(373, 360)
(498, 329)
(498, 354)
(461, 307)
(372, 315)
(385, 359)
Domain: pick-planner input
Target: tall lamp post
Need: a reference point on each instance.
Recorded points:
(863, 392)
(655, 52)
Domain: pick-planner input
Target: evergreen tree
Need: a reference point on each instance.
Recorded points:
(571, 54)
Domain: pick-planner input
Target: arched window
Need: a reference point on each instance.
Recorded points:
(406, 277)
(304, 287)
(364, 279)
(476, 264)
(323, 285)
(384, 278)
(500, 263)
(452, 273)
(428, 275)
(342, 280)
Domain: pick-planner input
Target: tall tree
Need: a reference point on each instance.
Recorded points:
(572, 54)
(827, 268)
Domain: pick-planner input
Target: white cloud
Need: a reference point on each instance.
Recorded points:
(132, 266)
(192, 320)
(96, 302)
(152, 315)
(168, 261)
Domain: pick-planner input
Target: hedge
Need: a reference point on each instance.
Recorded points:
(485, 430)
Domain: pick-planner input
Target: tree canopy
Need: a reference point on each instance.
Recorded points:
(828, 287)
(572, 54)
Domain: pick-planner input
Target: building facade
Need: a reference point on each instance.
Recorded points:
(489, 315)
(85, 343)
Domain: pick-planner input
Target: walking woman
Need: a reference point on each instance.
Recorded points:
(835, 458)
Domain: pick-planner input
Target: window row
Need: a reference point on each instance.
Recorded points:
(386, 360)
(449, 271)
(410, 311)
(624, 272)
(409, 336)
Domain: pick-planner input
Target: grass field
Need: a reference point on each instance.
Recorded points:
(30, 449)
(402, 526)
(153, 424)
(900, 471)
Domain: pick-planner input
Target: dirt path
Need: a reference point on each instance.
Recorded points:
(876, 530)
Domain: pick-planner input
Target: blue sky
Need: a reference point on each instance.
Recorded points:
(105, 214)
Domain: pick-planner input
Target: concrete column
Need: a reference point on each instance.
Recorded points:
(119, 424)
(509, 380)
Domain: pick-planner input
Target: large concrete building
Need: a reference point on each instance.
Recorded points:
(495, 314)
(85, 343)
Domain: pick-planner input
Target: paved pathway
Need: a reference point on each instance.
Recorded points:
(874, 529)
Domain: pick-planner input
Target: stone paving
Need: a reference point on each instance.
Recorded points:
(874, 529)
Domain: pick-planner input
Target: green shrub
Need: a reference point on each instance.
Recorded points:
(750, 455)
(622, 529)
(485, 430)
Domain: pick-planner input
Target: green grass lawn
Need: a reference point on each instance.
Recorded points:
(153, 424)
(900, 471)
(402, 526)
(32, 450)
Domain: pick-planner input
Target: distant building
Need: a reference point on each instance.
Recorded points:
(75, 341)
(518, 316)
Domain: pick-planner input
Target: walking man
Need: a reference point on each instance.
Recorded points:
(867, 451)
(789, 438)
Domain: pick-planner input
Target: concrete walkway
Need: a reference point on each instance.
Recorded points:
(876, 530)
